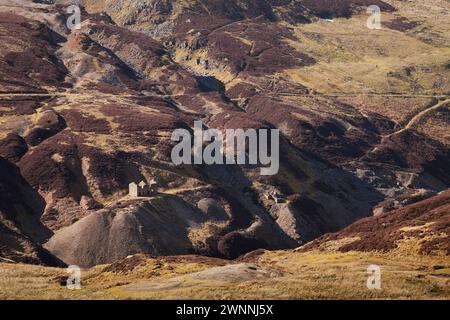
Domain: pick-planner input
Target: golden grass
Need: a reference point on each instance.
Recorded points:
(352, 58)
(312, 275)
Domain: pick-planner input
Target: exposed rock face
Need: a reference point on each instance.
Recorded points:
(89, 61)
(155, 228)
(85, 112)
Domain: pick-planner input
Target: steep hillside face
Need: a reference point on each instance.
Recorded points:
(85, 112)
(20, 226)
(20, 203)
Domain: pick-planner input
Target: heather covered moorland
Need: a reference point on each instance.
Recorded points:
(363, 177)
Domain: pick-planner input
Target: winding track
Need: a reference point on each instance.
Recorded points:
(408, 126)
(414, 120)
(417, 118)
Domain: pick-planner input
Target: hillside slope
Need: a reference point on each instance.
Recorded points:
(410, 246)
(364, 123)
(21, 229)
